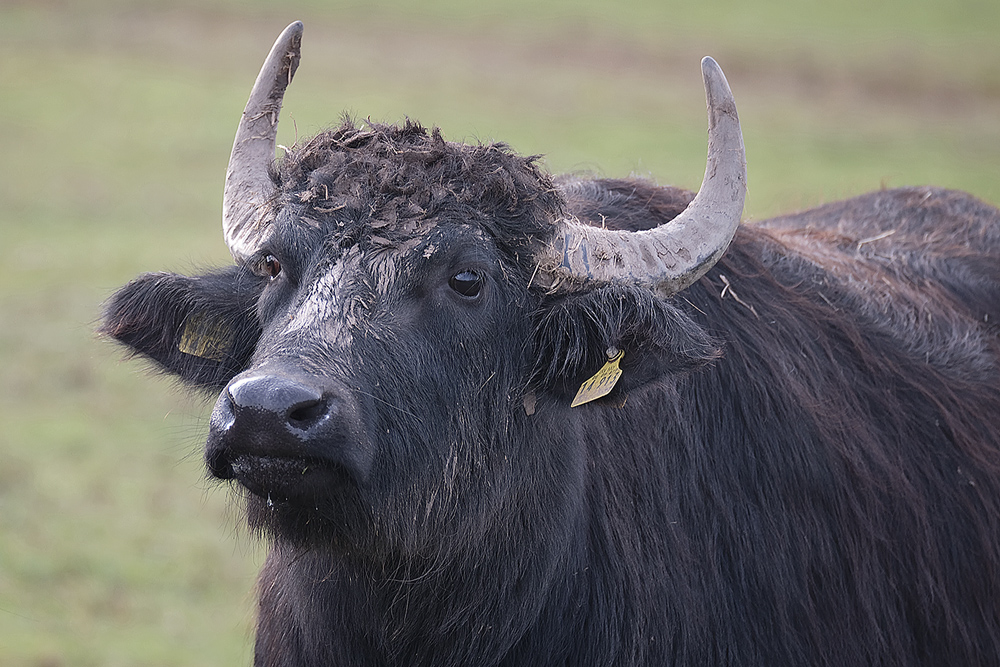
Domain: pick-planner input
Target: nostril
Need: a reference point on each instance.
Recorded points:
(218, 461)
(305, 414)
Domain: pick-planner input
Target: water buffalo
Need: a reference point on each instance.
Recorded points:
(488, 417)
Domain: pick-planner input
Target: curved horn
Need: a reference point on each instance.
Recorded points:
(670, 257)
(247, 181)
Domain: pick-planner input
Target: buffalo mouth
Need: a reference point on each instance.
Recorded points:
(280, 479)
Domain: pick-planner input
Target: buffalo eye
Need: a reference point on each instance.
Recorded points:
(270, 266)
(468, 283)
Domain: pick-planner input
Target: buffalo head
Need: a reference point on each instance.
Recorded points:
(408, 319)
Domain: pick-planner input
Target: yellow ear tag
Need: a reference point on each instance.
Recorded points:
(603, 382)
(205, 337)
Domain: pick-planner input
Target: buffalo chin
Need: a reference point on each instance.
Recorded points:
(305, 502)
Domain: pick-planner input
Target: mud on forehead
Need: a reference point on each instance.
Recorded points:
(385, 184)
(310, 246)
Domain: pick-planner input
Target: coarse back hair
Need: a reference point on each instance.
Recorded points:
(844, 405)
(844, 443)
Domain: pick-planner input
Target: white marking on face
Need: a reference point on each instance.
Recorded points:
(324, 305)
(335, 302)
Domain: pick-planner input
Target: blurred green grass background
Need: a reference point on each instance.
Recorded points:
(117, 119)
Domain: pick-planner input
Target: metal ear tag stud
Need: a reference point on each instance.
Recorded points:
(602, 382)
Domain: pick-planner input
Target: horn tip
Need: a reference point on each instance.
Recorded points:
(717, 88)
(712, 73)
(290, 40)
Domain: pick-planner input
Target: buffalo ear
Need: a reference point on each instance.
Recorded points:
(573, 334)
(202, 329)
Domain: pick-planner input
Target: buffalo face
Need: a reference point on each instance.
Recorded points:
(385, 375)
(392, 377)
(409, 318)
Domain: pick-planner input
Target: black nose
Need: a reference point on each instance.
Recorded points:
(288, 435)
(269, 415)
(280, 401)
(283, 434)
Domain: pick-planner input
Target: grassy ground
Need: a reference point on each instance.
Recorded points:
(117, 118)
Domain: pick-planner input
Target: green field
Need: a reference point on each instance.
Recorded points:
(117, 119)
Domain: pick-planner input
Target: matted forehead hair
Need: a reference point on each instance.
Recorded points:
(401, 179)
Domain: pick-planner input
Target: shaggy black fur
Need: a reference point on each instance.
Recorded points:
(800, 465)
(151, 314)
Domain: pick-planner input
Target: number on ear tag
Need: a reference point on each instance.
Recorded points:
(603, 382)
